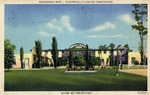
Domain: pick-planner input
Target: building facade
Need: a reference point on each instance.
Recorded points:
(77, 48)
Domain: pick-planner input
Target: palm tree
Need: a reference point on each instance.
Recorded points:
(127, 51)
(140, 51)
(112, 46)
(117, 60)
(105, 48)
(140, 13)
(100, 49)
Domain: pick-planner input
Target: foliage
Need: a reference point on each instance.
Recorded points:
(127, 51)
(62, 61)
(117, 57)
(70, 58)
(46, 61)
(38, 48)
(97, 61)
(79, 60)
(100, 48)
(59, 62)
(54, 51)
(34, 65)
(52, 64)
(136, 62)
(140, 48)
(78, 68)
(87, 57)
(9, 54)
(42, 64)
(105, 48)
(91, 61)
(140, 12)
(34, 58)
(112, 46)
(21, 56)
(127, 47)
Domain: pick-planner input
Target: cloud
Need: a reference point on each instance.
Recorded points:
(45, 34)
(106, 36)
(66, 24)
(63, 24)
(104, 26)
(55, 25)
(126, 18)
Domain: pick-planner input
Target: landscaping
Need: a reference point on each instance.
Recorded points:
(56, 80)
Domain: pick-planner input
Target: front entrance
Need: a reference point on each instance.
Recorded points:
(26, 63)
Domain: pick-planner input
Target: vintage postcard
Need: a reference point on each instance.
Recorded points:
(74, 47)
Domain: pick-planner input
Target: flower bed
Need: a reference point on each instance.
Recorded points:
(94, 71)
(80, 69)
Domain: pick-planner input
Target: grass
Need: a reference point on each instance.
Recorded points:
(57, 80)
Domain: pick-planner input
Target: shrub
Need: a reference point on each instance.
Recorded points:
(91, 68)
(85, 68)
(78, 68)
(51, 65)
(34, 65)
(136, 62)
(82, 67)
(74, 68)
(67, 66)
(68, 69)
(46, 64)
(42, 65)
(94, 68)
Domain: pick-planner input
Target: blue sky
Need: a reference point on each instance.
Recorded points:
(88, 24)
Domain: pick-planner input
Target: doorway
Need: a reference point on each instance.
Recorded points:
(26, 63)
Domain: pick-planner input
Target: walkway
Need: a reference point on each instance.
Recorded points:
(142, 72)
(44, 68)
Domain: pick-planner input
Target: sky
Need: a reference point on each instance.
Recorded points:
(95, 25)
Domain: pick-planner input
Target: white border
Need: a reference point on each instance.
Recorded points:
(2, 2)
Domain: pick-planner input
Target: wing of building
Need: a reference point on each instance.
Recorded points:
(77, 48)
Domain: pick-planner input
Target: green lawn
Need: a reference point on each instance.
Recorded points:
(57, 80)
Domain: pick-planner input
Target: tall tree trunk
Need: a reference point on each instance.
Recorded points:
(141, 38)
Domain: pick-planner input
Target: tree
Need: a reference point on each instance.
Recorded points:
(21, 57)
(54, 51)
(9, 54)
(127, 51)
(140, 12)
(105, 48)
(38, 48)
(87, 57)
(91, 61)
(100, 49)
(140, 50)
(117, 60)
(112, 46)
(70, 58)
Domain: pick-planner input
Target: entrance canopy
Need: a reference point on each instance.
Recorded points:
(77, 46)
